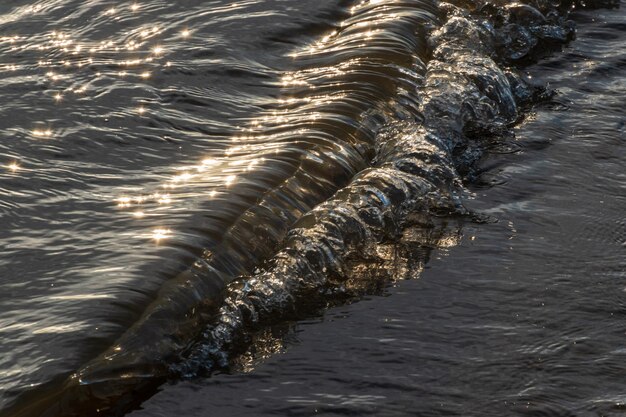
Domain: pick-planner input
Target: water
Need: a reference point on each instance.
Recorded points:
(164, 179)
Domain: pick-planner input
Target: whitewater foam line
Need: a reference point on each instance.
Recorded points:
(465, 96)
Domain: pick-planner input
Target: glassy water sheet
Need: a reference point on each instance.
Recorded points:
(118, 125)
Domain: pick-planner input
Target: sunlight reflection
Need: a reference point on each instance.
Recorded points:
(160, 234)
(80, 297)
(299, 113)
(132, 62)
(230, 179)
(164, 199)
(449, 241)
(208, 162)
(46, 133)
(62, 328)
(123, 202)
(185, 176)
(13, 166)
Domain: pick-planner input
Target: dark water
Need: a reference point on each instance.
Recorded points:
(152, 154)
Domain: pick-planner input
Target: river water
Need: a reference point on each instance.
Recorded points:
(152, 153)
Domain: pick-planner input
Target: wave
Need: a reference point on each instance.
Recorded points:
(375, 131)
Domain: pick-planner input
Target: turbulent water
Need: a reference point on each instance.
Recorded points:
(178, 177)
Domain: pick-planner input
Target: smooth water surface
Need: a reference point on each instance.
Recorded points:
(120, 127)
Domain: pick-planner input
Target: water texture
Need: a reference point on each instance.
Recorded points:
(178, 177)
(523, 316)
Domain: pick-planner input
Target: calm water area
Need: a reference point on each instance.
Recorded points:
(151, 152)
